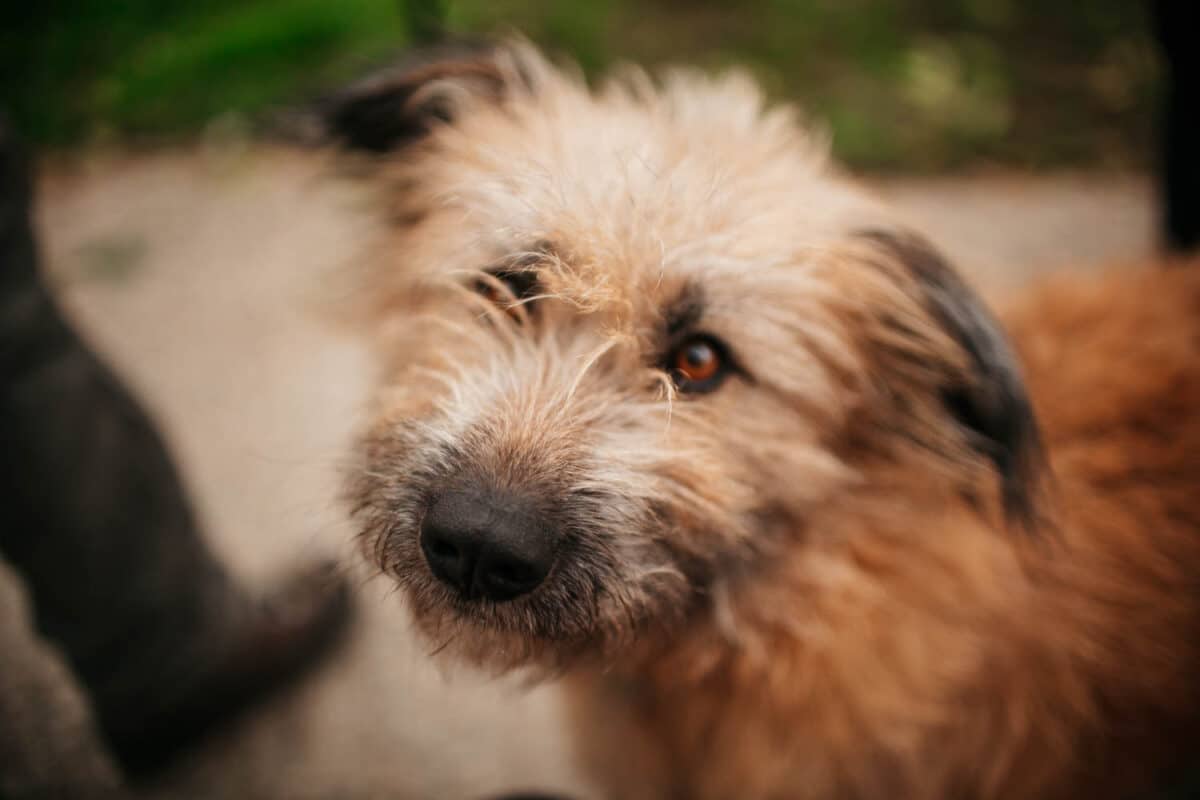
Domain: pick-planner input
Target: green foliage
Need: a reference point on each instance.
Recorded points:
(915, 83)
(426, 19)
(145, 68)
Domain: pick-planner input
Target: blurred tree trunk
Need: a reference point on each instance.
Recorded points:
(1179, 162)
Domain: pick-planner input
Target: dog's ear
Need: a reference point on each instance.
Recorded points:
(399, 104)
(989, 402)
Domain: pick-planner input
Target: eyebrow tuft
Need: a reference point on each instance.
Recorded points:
(684, 312)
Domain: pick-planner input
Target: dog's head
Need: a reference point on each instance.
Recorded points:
(638, 341)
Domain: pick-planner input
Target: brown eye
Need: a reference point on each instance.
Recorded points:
(698, 364)
(492, 293)
(509, 288)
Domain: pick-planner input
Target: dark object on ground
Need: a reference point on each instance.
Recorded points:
(95, 519)
(1180, 159)
(49, 743)
(255, 646)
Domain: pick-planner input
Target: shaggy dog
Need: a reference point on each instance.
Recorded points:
(673, 409)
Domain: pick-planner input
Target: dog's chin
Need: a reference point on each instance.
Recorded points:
(525, 635)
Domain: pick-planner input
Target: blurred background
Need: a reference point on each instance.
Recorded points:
(925, 85)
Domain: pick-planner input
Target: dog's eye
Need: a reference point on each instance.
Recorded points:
(493, 293)
(507, 289)
(698, 364)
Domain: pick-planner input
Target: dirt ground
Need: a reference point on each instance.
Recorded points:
(205, 277)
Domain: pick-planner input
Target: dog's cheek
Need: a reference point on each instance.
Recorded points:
(620, 567)
(776, 463)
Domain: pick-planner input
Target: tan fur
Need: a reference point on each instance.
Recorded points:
(803, 584)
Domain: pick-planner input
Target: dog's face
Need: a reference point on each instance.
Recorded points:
(635, 340)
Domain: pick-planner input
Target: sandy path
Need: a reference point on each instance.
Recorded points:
(199, 275)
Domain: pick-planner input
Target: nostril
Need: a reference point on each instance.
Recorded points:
(501, 577)
(515, 573)
(451, 559)
(442, 549)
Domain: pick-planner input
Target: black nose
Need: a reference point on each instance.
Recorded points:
(487, 544)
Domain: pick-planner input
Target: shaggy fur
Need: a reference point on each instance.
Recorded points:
(855, 569)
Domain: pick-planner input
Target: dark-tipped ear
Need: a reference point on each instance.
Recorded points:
(399, 104)
(990, 403)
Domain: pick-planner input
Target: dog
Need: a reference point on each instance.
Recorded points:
(673, 410)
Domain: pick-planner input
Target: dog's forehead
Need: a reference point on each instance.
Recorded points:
(643, 192)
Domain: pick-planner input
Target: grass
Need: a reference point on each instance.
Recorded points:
(918, 84)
